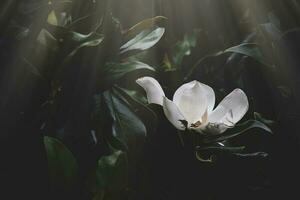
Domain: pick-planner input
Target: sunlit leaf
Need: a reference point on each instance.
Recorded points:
(183, 48)
(270, 31)
(251, 50)
(90, 40)
(46, 39)
(274, 20)
(144, 40)
(145, 24)
(115, 71)
(52, 19)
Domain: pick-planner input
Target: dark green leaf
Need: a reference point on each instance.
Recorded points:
(111, 171)
(115, 71)
(183, 48)
(221, 149)
(207, 154)
(251, 50)
(32, 68)
(63, 167)
(252, 155)
(148, 117)
(259, 117)
(238, 130)
(127, 127)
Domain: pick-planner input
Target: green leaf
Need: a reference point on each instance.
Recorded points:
(207, 154)
(46, 39)
(199, 63)
(222, 149)
(274, 20)
(30, 67)
(144, 40)
(145, 24)
(148, 117)
(259, 117)
(115, 71)
(252, 155)
(127, 127)
(90, 40)
(110, 178)
(251, 50)
(63, 169)
(183, 48)
(58, 17)
(111, 171)
(237, 130)
(52, 19)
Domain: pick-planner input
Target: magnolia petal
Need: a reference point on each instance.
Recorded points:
(217, 114)
(231, 109)
(173, 114)
(210, 96)
(216, 129)
(191, 101)
(153, 89)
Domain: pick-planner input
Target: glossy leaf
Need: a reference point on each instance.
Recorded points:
(144, 40)
(148, 117)
(251, 50)
(127, 127)
(252, 155)
(115, 71)
(206, 154)
(145, 24)
(248, 49)
(90, 40)
(222, 149)
(238, 130)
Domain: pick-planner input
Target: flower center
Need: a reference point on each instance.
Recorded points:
(196, 124)
(203, 120)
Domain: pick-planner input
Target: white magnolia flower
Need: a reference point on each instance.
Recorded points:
(194, 103)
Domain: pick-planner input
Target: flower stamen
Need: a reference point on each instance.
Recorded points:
(196, 125)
